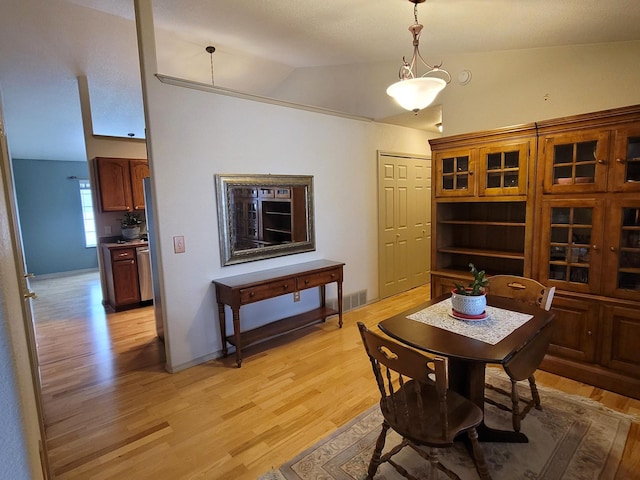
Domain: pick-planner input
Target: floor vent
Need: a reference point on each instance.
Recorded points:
(349, 302)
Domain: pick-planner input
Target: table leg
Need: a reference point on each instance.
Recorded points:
(467, 378)
(340, 304)
(223, 328)
(236, 335)
(323, 299)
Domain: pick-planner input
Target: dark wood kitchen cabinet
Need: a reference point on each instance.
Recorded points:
(121, 275)
(120, 186)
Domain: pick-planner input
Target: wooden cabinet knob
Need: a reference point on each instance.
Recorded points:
(602, 162)
(613, 249)
(595, 248)
(620, 160)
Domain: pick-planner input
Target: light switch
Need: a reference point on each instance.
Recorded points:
(178, 244)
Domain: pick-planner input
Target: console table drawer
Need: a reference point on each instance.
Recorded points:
(319, 278)
(267, 290)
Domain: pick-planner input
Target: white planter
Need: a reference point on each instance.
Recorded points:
(468, 304)
(130, 233)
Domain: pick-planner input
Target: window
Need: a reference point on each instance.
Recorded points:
(90, 237)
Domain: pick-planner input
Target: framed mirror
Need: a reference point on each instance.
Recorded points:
(264, 216)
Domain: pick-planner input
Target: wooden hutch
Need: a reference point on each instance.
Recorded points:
(558, 201)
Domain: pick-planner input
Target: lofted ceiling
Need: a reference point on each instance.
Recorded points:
(46, 44)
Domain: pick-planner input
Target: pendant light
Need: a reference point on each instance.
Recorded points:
(415, 92)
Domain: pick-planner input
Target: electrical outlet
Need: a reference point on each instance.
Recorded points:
(178, 244)
(296, 296)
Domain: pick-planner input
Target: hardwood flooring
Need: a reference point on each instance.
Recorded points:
(113, 412)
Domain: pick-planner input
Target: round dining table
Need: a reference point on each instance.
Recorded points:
(467, 357)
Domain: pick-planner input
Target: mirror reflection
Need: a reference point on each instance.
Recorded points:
(264, 216)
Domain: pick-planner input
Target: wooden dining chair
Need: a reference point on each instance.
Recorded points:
(417, 404)
(523, 364)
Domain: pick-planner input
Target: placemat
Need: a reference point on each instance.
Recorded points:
(499, 323)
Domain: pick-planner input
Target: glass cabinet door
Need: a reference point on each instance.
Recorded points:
(623, 249)
(572, 244)
(455, 173)
(624, 174)
(502, 170)
(576, 162)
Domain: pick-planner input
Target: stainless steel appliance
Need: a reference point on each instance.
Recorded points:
(144, 274)
(151, 221)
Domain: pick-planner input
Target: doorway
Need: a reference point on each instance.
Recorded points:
(404, 222)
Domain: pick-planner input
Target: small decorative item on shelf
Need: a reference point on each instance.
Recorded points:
(130, 226)
(471, 300)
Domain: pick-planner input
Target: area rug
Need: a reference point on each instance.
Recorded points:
(570, 438)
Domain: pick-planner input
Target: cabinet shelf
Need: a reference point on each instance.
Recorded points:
(278, 230)
(483, 253)
(487, 223)
(271, 212)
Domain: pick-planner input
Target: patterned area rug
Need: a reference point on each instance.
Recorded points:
(570, 438)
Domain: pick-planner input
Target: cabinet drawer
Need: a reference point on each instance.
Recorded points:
(320, 278)
(122, 254)
(268, 290)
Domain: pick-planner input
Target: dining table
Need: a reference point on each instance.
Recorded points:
(469, 345)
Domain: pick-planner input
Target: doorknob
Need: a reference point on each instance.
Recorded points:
(30, 295)
(29, 275)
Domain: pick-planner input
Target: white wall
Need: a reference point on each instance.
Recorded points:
(195, 134)
(509, 88)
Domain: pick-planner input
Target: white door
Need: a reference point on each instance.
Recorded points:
(25, 289)
(404, 222)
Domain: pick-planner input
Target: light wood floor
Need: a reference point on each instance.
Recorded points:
(113, 412)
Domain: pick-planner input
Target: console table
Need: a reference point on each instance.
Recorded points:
(256, 286)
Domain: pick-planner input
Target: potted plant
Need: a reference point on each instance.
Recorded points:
(130, 226)
(471, 300)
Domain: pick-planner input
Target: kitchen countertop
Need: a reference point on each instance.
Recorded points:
(126, 244)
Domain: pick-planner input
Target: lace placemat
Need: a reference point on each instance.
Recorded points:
(499, 323)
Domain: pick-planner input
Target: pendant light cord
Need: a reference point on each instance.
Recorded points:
(210, 49)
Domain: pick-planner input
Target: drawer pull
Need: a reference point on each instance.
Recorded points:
(333, 275)
(123, 254)
(285, 286)
(306, 281)
(251, 294)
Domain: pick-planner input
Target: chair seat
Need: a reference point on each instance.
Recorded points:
(462, 415)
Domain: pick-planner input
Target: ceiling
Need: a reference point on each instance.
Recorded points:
(47, 44)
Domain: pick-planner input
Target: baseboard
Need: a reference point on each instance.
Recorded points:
(70, 273)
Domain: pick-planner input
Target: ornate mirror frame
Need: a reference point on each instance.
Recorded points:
(262, 191)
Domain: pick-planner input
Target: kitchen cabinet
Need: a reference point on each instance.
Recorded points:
(121, 275)
(120, 185)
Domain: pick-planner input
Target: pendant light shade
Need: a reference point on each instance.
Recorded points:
(416, 93)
